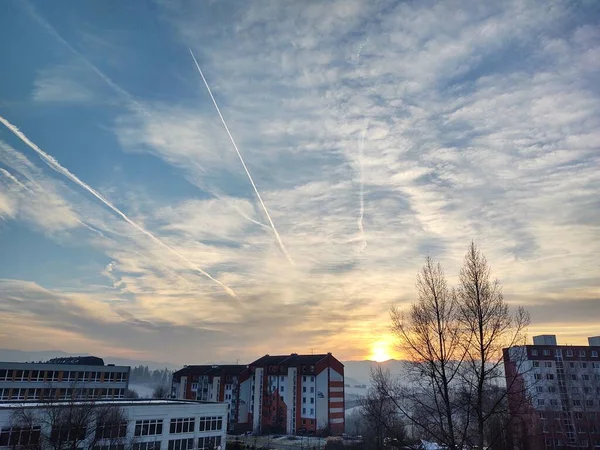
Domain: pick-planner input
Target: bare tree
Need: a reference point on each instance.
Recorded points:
(431, 336)
(486, 318)
(71, 425)
(382, 418)
(161, 391)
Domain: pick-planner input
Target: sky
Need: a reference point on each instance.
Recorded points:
(360, 138)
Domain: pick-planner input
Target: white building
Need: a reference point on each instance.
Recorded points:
(63, 379)
(149, 424)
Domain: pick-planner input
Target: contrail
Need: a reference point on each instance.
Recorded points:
(54, 164)
(283, 249)
(361, 148)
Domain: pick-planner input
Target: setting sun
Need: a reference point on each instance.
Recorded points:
(380, 352)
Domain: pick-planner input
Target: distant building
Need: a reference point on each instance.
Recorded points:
(293, 394)
(63, 378)
(149, 425)
(211, 383)
(554, 394)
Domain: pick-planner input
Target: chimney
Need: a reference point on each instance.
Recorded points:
(594, 341)
(545, 339)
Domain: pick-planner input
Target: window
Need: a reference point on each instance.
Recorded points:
(587, 390)
(569, 352)
(304, 379)
(150, 427)
(4, 394)
(549, 376)
(152, 445)
(579, 415)
(582, 353)
(596, 365)
(534, 352)
(541, 402)
(536, 364)
(19, 436)
(572, 365)
(546, 352)
(558, 352)
(80, 376)
(111, 430)
(52, 375)
(5, 375)
(303, 410)
(573, 377)
(181, 444)
(211, 423)
(594, 353)
(303, 399)
(68, 376)
(552, 389)
(589, 402)
(539, 389)
(548, 364)
(585, 377)
(34, 394)
(576, 402)
(18, 394)
(68, 433)
(575, 390)
(312, 400)
(303, 388)
(281, 378)
(553, 402)
(312, 389)
(209, 442)
(312, 378)
(36, 375)
(181, 426)
(312, 411)
(584, 365)
(281, 388)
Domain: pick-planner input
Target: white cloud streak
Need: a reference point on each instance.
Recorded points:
(54, 164)
(264, 207)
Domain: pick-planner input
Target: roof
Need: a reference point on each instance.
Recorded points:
(78, 360)
(215, 370)
(120, 402)
(290, 360)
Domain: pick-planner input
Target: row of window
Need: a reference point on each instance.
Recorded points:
(59, 394)
(572, 377)
(563, 390)
(29, 436)
(575, 402)
(60, 375)
(17, 436)
(312, 400)
(559, 443)
(312, 411)
(204, 443)
(569, 352)
(572, 365)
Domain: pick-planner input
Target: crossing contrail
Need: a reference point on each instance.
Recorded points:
(361, 149)
(55, 165)
(281, 246)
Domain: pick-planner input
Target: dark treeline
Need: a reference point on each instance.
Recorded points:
(158, 377)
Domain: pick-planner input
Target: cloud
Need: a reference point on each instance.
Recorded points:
(62, 84)
(483, 124)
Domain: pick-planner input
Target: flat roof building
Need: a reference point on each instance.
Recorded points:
(63, 378)
(140, 425)
(554, 394)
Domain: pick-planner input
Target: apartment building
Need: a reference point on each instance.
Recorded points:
(293, 394)
(211, 383)
(143, 425)
(554, 394)
(63, 378)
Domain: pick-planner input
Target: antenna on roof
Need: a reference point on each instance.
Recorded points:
(312, 351)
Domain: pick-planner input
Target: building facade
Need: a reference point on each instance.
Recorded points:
(214, 383)
(293, 394)
(62, 379)
(142, 425)
(554, 394)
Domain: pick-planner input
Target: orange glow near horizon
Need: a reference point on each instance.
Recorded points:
(381, 351)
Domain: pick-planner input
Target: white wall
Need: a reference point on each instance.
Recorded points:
(159, 409)
(322, 387)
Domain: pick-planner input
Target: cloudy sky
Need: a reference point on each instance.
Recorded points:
(376, 133)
